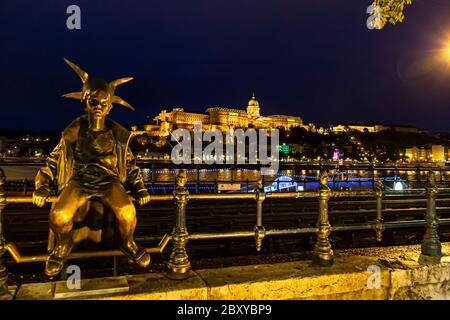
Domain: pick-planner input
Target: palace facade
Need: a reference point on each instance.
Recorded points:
(222, 119)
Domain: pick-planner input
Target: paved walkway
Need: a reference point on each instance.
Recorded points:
(370, 273)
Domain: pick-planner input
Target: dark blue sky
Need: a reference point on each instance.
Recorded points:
(315, 59)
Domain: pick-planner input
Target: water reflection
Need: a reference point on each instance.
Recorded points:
(204, 175)
(210, 177)
(349, 179)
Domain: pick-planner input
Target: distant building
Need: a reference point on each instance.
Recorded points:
(416, 154)
(358, 127)
(435, 153)
(438, 153)
(221, 118)
(372, 127)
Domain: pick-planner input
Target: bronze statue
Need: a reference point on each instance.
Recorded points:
(92, 161)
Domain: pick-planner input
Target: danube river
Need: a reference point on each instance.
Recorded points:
(244, 179)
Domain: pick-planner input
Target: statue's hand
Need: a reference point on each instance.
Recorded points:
(143, 197)
(40, 196)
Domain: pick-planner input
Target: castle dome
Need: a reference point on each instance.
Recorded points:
(253, 102)
(253, 107)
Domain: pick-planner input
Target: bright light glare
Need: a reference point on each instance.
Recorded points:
(446, 52)
(398, 186)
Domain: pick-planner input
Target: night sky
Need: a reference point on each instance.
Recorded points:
(314, 59)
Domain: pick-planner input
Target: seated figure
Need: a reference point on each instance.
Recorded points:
(92, 162)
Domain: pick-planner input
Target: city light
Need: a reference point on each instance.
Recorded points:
(398, 186)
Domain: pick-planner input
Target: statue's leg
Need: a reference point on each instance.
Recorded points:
(61, 223)
(122, 206)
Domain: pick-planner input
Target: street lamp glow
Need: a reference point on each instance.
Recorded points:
(446, 52)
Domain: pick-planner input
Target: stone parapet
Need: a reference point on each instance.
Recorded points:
(391, 273)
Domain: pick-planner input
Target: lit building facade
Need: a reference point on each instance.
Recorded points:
(372, 128)
(358, 127)
(221, 118)
(436, 153)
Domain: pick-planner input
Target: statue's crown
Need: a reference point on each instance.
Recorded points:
(97, 84)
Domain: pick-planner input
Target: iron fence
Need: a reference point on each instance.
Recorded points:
(179, 265)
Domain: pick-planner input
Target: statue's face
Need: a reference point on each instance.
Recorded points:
(98, 104)
(97, 98)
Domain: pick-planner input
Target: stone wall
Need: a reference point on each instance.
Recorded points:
(354, 275)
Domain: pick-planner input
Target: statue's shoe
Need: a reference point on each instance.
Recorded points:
(54, 265)
(137, 255)
(57, 258)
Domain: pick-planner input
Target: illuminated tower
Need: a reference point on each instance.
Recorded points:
(253, 107)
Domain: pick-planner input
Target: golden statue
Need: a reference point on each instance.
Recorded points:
(92, 162)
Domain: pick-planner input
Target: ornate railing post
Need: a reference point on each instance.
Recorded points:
(431, 246)
(260, 231)
(418, 177)
(379, 226)
(323, 255)
(4, 292)
(179, 264)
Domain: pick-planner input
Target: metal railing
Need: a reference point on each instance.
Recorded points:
(179, 265)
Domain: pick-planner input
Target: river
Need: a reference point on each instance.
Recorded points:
(219, 178)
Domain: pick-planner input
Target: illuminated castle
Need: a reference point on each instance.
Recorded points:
(222, 119)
